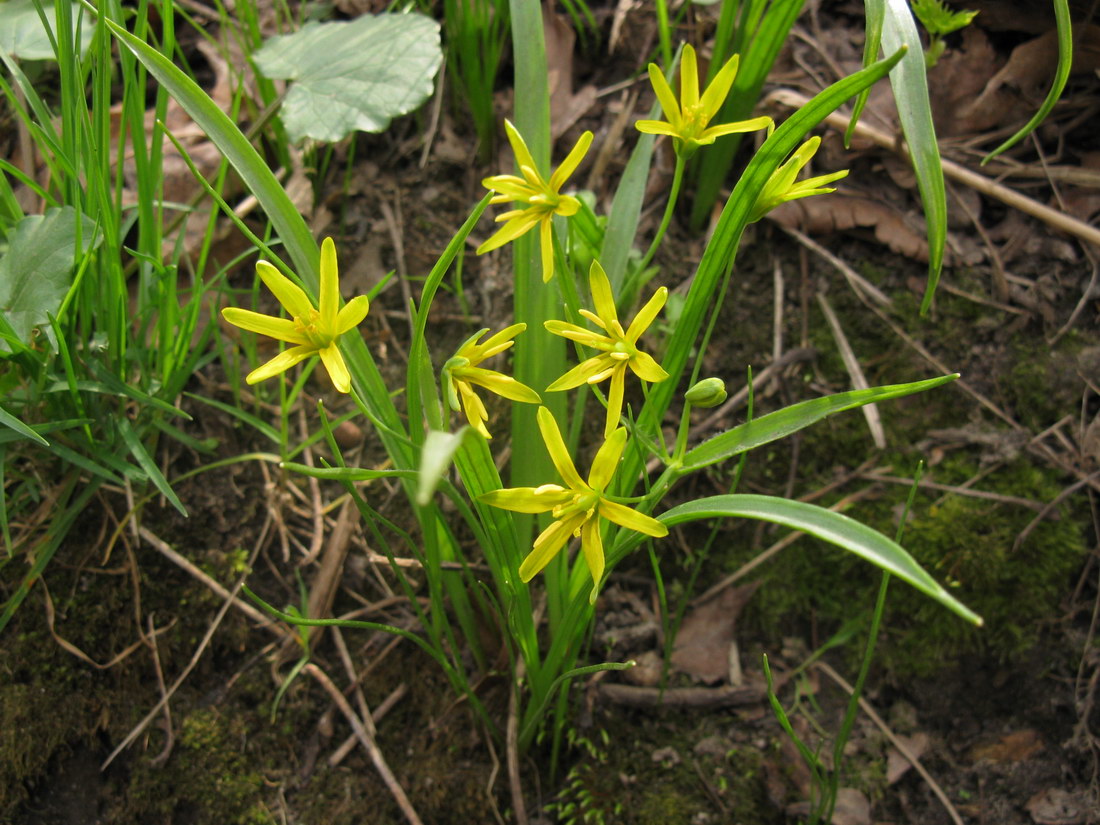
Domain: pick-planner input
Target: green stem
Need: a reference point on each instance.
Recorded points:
(666, 219)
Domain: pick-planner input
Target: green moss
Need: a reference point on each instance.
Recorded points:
(210, 777)
(965, 543)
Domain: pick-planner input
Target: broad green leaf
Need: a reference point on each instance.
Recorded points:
(782, 423)
(910, 84)
(835, 528)
(436, 457)
(22, 34)
(37, 270)
(355, 75)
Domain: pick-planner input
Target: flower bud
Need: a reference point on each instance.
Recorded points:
(710, 392)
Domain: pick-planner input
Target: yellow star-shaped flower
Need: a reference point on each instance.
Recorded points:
(539, 199)
(688, 118)
(577, 507)
(618, 347)
(312, 330)
(463, 371)
(782, 187)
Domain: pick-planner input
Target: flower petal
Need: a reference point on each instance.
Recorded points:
(288, 293)
(607, 460)
(581, 374)
(602, 297)
(519, 147)
(615, 398)
(719, 88)
(517, 226)
(352, 314)
(475, 410)
(571, 162)
(282, 328)
(646, 315)
(280, 363)
(559, 455)
(503, 385)
(337, 369)
(523, 499)
(329, 302)
(656, 127)
(547, 545)
(735, 128)
(667, 99)
(645, 367)
(546, 236)
(689, 79)
(498, 342)
(631, 519)
(578, 334)
(592, 548)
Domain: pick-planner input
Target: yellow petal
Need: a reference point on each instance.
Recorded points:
(607, 460)
(289, 294)
(571, 162)
(667, 99)
(646, 315)
(524, 499)
(631, 519)
(592, 548)
(547, 545)
(689, 79)
(575, 333)
(546, 240)
(615, 398)
(736, 128)
(352, 314)
(656, 127)
(519, 147)
(646, 368)
(475, 410)
(719, 88)
(282, 328)
(280, 363)
(503, 385)
(517, 226)
(329, 302)
(559, 455)
(602, 297)
(337, 369)
(581, 374)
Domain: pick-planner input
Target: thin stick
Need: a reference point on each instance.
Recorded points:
(904, 750)
(367, 741)
(855, 371)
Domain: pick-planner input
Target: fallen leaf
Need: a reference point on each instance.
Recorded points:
(566, 107)
(1013, 747)
(1056, 806)
(896, 764)
(839, 212)
(703, 643)
(852, 808)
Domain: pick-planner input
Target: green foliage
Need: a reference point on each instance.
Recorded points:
(352, 75)
(22, 34)
(939, 21)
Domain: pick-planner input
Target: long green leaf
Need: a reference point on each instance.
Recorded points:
(1061, 75)
(9, 420)
(835, 528)
(145, 461)
(910, 84)
(779, 424)
(262, 182)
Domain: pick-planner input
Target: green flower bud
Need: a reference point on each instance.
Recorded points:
(710, 392)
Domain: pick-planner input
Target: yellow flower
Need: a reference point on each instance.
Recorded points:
(781, 186)
(619, 349)
(312, 330)
(464, 370)
(688, 119)
(576, 507)
(540, 199)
